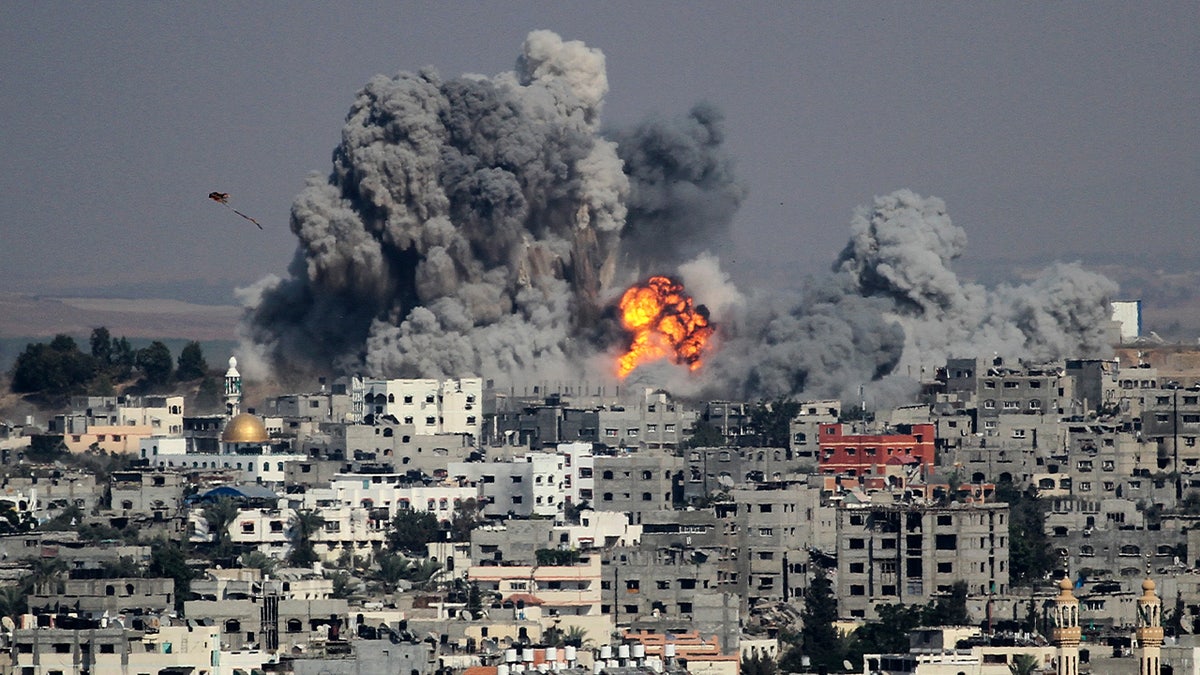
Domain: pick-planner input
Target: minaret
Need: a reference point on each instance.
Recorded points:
(233, 389)
(1066, 631)
(1149, 630)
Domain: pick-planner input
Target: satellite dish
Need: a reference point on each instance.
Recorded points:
(7, 622)
(847, 665)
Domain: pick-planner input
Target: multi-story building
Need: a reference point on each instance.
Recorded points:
(430, 406)
(532, 484)
(101, 597)
(804, 430)
(868, 454)
(567, 595)
(284, 612)
(151, 492)
(637, 483)
(909, 553)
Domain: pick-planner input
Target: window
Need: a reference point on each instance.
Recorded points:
(1035, 404)
(856, 543)
(989, 404)
(858, 589)
(856, 568)
(946, 542)
(632, 432)
(945, 568)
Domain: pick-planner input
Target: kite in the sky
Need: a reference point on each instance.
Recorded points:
(222, 198)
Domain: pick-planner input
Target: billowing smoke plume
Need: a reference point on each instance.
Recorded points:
(487, 225)
(892, 306)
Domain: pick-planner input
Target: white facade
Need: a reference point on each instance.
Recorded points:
(579, 466)
(532, 484)
(431, 406)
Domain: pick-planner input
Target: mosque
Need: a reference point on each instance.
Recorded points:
(245, 444)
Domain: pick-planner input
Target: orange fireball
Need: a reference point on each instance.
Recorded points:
(663, 323)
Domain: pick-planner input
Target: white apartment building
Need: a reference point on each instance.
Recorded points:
(579, 467)
(431, 406)
(532, 484)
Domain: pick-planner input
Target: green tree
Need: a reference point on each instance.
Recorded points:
(412, 530)
(304, 525)
(705, 435)
(257, 560)
(948, 610)
(818, 638)
(123, 359)
(759, 665)
(155, 363)
(343, 585)
(1024, 664)
(394, 568)
(889, 635)
(56, 369)
(1030, 556)
(466, 518)
(102, 347)
(13, 601)
(219, 514)
(169, 561)
(191, 364)
(772, 421)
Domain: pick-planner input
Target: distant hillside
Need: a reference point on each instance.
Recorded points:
(25, 319)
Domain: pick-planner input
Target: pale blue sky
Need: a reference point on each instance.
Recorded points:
(1052, 130)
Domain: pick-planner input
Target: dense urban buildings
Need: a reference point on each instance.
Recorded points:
(445, 525)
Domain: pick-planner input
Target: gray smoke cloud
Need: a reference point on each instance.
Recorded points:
(485, 226)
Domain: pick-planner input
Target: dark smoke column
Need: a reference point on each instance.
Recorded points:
(468, 226)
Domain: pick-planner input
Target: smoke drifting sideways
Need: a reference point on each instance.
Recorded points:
(487, 226)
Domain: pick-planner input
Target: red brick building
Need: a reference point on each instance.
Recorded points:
(865, 455)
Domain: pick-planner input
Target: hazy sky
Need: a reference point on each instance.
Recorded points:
(1052, 130)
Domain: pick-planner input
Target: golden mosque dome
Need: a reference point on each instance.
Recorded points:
(245, 428)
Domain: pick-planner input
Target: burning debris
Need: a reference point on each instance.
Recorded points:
(663, 323)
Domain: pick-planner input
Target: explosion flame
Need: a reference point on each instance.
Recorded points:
(664, 322)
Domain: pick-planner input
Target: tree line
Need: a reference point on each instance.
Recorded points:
(59, 369)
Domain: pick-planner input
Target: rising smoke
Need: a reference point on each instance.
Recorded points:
(487, 226)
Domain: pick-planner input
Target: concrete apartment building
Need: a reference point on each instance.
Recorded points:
(804, 431)
(653, 421)
(96, 597)
(909, 553)
(115, 650)
(709, 470)
(638, 483)
(531, 484)
(151, 492)
(431, 406)
(774, 528)
(564, 595)
(281, 613)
